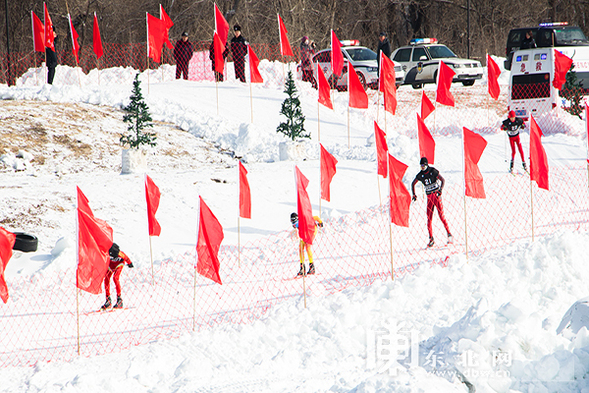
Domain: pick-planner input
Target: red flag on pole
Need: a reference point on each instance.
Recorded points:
(94, 241)
(245, 199)
(49, 37)
(427, 145)
(358, 97)
(562, 65)
(445, 76)
(167, 24)
(285, 49)
(426, 106)
(255, 76)
(380, 140)
(74, 34)
(474, 145)
(328, 163)
(493, 73)
(221, 26)
(210, 236)
(399, 198)
(96, 40)
(38, 33)
(219, 48)
(6, 243)
(337, 57)
(152, 197)
(387, 83)
(538, 159)
(304, 210)
(155, 32)
(324, 90)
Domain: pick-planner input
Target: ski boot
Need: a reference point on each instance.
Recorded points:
(311, 268)
(431, 242)
(511, 167)
(450, 238)
(525, 166)
(107, 304)
(119, 303)
(301, 271)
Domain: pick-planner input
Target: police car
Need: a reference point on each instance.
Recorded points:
(362, 59)
(421, 59)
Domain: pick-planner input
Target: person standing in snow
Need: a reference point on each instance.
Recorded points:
(384, 46)
(512, 125)
(218, 75)
(307, 51)
(182, 55)
(51, 60)
(238, 50)
(118, 259)
(434, 184)
(294, 220)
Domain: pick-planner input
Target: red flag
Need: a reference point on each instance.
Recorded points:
(167, 24)
(304, 210)
(474, 145)
(219, 48)
(399, 198)
(38, 33)
(380, 140)
(445, 76)
(427, 145)
(96, 40)
(337, 57)
(210, 236)
(562, 65)
(285, 49)
(538, 160)
(426, 106)
(358, 96)
(328, 163)
(387, 83)
(221, 26)
(255, 76)
(155, 33)
(493, 73)
(74, 34)
(6, 243)
(94, 241)
(152, 197)
(49, 37)
(245, 198)
(324, 90)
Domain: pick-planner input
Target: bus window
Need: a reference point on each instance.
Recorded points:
(530, 86)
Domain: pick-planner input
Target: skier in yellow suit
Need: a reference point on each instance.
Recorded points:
(294, 219)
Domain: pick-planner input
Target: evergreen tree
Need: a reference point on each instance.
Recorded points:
(572, 90)
(294, 127)
(138, 118)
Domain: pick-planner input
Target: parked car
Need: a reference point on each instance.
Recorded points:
(421, 59)
(362, 59)
(546, 35)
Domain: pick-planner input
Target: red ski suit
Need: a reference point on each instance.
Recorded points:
(115, 267)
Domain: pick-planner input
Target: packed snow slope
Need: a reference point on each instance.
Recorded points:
(500, 322)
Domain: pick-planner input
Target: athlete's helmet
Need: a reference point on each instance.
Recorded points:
(294, 217)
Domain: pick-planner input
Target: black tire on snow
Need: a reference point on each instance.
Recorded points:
(25, 242)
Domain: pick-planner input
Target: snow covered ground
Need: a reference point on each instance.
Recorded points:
(492, 321)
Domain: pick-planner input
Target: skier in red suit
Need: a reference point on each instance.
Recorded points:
(433, 183)
(118, 259)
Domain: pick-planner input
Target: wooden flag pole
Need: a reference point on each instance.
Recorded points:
(147, 52)
(238, 242)
(217, 92)
(78, 317)
(348, 126)
(151, 259)
(532, 206)
(464, 197)
(251, 101)
(391, 240)
(318, 123)
(195, 272)
(304, 276)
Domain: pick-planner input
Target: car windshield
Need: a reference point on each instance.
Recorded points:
(361, 54)
(440, 52)
(571, 35)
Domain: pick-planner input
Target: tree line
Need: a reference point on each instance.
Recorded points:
(468, 27)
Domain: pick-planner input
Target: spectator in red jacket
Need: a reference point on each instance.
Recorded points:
(182, 55)
(118, 259)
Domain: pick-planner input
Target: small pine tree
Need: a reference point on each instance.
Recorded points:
(572, 90)
(138, 118)
(294, 127)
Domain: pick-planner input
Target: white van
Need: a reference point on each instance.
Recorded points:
(530, 82)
